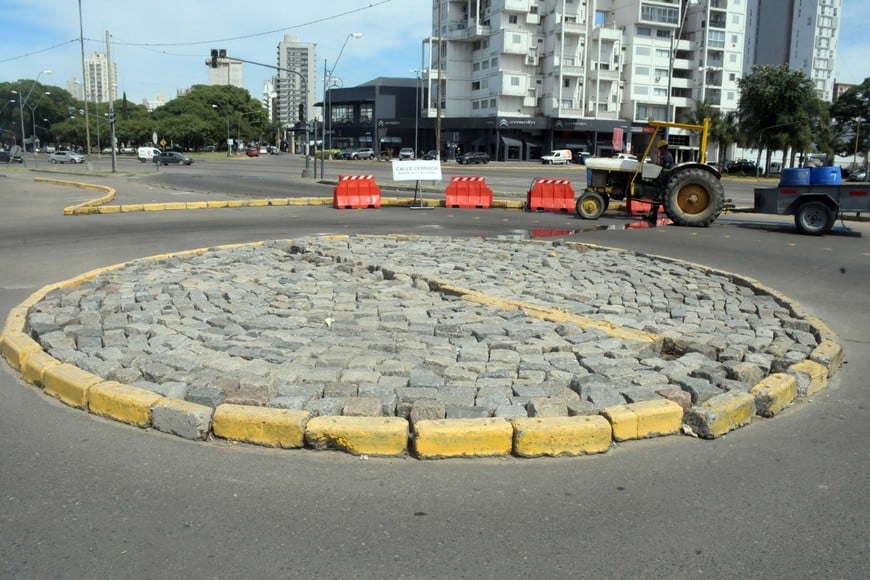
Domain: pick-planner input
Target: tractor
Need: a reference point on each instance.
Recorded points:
(691, 193)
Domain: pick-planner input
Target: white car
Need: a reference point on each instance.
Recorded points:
(406, 153)
(65, 157)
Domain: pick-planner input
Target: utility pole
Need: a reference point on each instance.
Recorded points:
(85, 87)
(111, 106)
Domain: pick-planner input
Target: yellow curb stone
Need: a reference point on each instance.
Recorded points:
(282, 201)
(15, 346)
(811, 377)
(124, 403)
(132, 207)
(359, 435)
(236, 203)
(34, 366)
(154, 206)
(721, 414)
(196, 205)
(644, 419)
(259, 425)
(217, 204)
(258, 203)
(110, 209)
(174, 205)
(463, 438)
(828, 354)
(69, 384)
(553, 436)
(774, 393)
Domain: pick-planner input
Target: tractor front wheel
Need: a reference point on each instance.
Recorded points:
(590, 205)
(694, 197)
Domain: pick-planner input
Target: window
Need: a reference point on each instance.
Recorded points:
(661, 74)
(641, 70)
(475, 67)
(494, 62)
(512, 19)
(660, 92)
(663, 33)
(515, 81)
(475, 45)
(642, 50)
(492, 103)
(475, 105)
(516, 38)
(475, 85)
(643, 31)
(566, 83)
(716, 38)
(641, 90)
(662, 14)
(663, 53)
(484, 64)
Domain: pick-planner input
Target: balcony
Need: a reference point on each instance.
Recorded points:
(604, 33)
(465, 30)
(602, 71)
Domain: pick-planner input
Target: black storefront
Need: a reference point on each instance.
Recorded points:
(383, 114)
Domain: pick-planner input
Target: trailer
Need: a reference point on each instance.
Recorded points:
(815, 207)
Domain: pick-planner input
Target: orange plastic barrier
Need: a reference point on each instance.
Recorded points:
(641, 206)
(356, 192)
(468, 191)
(549, 193)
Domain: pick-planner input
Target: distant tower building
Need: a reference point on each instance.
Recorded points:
(269, 99)
(227, 72)
(292, 91)
(97, 85)
(800, 34)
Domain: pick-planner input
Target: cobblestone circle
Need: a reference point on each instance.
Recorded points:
(363, 326)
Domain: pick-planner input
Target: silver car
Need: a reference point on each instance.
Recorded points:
(65, 157)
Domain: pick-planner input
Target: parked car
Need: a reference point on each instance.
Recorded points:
(431, 155)
(364, 153)
(7, 157)
(473, 157)
(744, 167)
(859, 175)
(65, 157)
(406, 153)
(345, 153)
(209, 149)
(172, 158)
(252, 152)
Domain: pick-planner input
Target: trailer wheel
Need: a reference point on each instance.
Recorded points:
(814, 218)
(694, 197)
(590, 205)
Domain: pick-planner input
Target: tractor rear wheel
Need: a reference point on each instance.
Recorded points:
(694, 197)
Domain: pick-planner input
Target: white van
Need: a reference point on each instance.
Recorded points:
(559, 156)
(144, 154)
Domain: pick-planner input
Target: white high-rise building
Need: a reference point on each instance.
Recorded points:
(298, 87)
(98, 87)
(227, 72)
(800, 34)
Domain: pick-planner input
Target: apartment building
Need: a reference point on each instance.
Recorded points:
(799, 34)
(517, 77)
(100, 86)
(227, 72)
(296, 81)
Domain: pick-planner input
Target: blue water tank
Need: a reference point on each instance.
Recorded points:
(795, 176)
(826, 176)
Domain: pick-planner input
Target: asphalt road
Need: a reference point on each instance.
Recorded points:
(781, 498)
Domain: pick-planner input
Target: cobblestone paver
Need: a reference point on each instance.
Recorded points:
(358, 326)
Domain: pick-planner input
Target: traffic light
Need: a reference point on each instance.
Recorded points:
(301, 113)
(214, 57)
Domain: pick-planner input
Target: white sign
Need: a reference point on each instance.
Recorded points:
(416, 170)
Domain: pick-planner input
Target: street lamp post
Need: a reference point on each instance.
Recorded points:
(673, 55)
(858, 120)
(33, 138)
(327, 110)
(21, 103)
(417, 98)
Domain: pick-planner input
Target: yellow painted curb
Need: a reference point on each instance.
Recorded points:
(463, 438)
(553, 436)
(721, 414)
(69, 384)
(359, 435)
(644, 419)
(828, 354)
(220, 204)
(15, 346)
(196, 205)
(774, 393)
(35, 365)
(817, 377)
(259, 425)
(124, 403)
(132, 207)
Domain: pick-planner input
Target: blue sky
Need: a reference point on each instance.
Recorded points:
(160, 46)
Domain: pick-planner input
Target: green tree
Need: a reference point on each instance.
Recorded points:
(779, 109)
(850, 120)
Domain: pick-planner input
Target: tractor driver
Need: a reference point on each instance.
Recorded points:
(666, 160)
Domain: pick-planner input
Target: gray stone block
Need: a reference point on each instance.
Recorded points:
(190, 423)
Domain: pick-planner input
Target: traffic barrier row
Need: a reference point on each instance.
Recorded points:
(356, 192)
(468, 191)
(550, 194)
